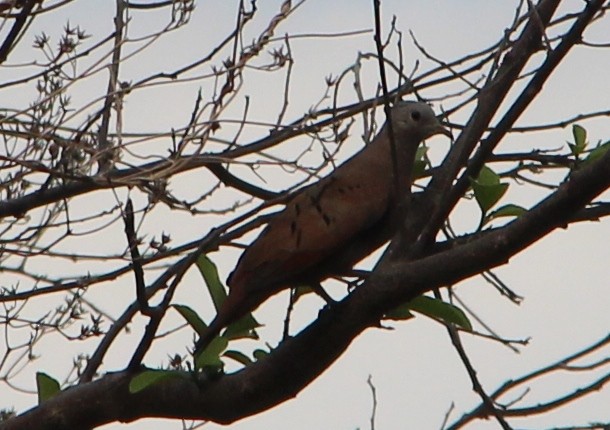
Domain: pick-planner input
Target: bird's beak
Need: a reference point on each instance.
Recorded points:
(439, 129)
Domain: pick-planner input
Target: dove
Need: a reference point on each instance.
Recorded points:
(330, 225)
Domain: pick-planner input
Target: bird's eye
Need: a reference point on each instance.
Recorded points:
(415, 115)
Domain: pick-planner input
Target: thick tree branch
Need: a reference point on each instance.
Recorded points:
(18, 25)
(528, 94)
(488, 102)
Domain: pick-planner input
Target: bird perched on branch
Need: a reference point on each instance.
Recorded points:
(332, 224)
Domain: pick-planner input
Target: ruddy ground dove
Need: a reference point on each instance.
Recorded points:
(330, 225)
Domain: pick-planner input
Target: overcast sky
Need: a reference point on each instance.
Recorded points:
(416, 371)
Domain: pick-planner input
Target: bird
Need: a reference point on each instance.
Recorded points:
(330, 225)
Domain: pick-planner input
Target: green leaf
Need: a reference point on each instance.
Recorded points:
(46, 386)
(487, 177)
(192, 318)
(580, 139)
(150, 377)
(488, 195)
(487, 188)
(242, 328)
(438, 309)
(399, 313)
(421, 162)
(260, 354)
(509, 210)
(210, 356)
(596, 153)
(240, 357)
(209, 272)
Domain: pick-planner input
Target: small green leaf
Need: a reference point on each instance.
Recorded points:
(421, 162)
(488, 195)
(439, 309)
(192, 318)
(47, 387)
(150, 377)
(210, 356)
(597, 153)
(580, 139)
(400, 313)
(487, 177)
(240, 357)
(260, 354)
(209, 271)
(240, 328)
(573, 148)
(487, 188)
(243, 328)
(421, 153)
(509, 210)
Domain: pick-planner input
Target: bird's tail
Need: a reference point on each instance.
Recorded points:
(230, 311)
(235, 306)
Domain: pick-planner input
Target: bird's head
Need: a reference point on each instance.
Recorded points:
(416, 119)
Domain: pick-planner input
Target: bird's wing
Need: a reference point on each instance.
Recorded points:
(314, 225)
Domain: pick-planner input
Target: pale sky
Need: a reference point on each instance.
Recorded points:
(416, 371)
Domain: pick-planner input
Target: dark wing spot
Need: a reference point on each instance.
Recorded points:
(326, 219)
(316, 204)
(298, 242)
(293, 227)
